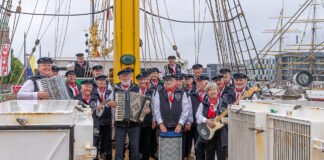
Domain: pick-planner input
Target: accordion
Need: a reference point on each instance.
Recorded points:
(130, 106)
(55, 87)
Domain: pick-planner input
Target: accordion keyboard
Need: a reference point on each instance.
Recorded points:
(119, 116)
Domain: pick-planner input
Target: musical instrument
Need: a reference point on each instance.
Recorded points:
(206, 132)
(55, 87)
(131, 106)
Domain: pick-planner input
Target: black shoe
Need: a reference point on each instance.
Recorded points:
(155, 156)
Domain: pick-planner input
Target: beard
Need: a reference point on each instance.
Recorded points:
(240, 86)
(126, 83)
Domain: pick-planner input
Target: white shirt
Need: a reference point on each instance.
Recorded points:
(27, 91)
(157, 112)
(190, 115)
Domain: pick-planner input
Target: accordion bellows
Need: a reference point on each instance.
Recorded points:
(130, 106)
(55, 87)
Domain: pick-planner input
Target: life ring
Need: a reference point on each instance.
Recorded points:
(303, 78)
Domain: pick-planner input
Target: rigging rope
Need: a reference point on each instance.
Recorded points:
(97, 12)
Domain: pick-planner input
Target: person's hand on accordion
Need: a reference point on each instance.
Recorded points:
(147, 110)
(112, 104)
(43, 95)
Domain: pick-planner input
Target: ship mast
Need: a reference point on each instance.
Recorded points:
(312, 58)
(126, 36)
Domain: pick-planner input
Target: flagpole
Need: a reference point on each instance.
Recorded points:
(25, 57)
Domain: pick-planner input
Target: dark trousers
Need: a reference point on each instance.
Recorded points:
(145, 142)
(199, 146)
(153, 141)
(215, 146)
(102, 141)
(133, 135)
(187, 143)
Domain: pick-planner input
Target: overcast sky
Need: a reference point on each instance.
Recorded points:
(257, 14)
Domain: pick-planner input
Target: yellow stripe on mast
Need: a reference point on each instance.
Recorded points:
(126, 35)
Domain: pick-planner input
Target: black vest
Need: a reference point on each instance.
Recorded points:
(171, 116)
(195, 102)
(228, 94)
(106, 117)
(168, 69)
(221, 107)
(147, 122)
(80, 71)
(70, 90)
(34, 79)
(132, 88)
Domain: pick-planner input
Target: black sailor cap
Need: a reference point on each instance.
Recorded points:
(239, 76)
(224, 70)
(44, 60)
(196, 66)
(55, 68)
(79, 55)
(217, 77)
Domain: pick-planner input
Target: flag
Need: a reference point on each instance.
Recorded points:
(31, 66)
(5, 60)
(109, 15)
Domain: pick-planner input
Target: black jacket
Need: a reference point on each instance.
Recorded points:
(194, 96)
(168, 69)
(149, 117)
(228, 94)
(81, 71)
(158, 86)
(106, 117)
(70, 90)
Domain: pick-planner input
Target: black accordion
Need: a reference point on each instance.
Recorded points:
(55, 87)
(130, 106)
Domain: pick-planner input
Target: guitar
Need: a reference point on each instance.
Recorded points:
(86, 105)
(206, 132)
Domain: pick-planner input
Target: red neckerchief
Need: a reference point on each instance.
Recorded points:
(220, 91)
(172, 69)
(86, 98)
(81, 64)
(211, 112)
(201, 95)
(238, 92)
(102, 93)
(143, 90)
(149, 86)
(155, 82)
(227, 84)
(74, 86)
(125, 87)
(170, 92)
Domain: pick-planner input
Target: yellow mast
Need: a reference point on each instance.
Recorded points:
(126, 36)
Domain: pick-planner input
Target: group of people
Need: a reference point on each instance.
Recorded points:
(179, 104)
